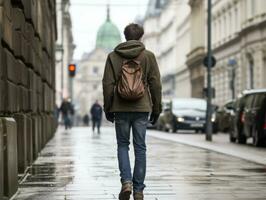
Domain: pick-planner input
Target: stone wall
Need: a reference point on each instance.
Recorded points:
(27, 85)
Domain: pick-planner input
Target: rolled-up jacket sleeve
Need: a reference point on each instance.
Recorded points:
(108, 83)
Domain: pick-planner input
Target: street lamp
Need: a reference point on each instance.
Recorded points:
(209, 88)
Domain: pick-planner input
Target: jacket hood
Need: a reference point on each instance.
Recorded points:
(130, 49)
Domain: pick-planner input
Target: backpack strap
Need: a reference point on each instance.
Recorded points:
(138, 61)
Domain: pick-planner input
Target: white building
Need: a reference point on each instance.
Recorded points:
(177, 32)
(167, 28)
(64, 49)
(239, 44)
(88, 81)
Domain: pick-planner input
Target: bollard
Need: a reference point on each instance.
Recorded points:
(1, 160)
(22, 142)
(10, 157)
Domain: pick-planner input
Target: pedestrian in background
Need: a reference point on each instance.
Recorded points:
(86, 120)
(67, 111)
(96, 116)
(132, 89)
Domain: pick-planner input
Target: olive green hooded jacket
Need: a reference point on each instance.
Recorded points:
(151, 101)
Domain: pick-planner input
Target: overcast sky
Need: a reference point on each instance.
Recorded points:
(88, 16)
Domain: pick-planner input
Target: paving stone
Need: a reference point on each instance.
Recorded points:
(22, 144)
(10, 161)
(77, 164)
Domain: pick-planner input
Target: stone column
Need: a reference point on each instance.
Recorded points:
(243, 71)
(198, 25)
(197, 51)
(259, 72)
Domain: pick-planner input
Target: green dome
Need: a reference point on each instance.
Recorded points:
(108, 36)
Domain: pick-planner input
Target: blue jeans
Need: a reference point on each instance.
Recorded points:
(123, 123)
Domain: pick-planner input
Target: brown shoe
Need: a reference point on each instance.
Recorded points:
(126, 191)
(138, 196)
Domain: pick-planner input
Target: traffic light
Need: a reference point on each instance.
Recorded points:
(72, 70)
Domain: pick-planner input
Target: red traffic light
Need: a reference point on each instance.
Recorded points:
(72, 70)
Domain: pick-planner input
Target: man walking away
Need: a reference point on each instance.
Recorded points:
(96, 115)
(131, 89)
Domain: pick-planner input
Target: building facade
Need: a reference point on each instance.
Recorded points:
(64, 50)
(177, 32)
(239, 45)
(167, 28)
(88, 81)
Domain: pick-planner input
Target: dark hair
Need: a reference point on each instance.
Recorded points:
(133, 32)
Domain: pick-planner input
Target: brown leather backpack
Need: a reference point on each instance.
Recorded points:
(131, 85)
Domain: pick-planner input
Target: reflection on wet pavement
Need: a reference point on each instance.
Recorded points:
(79, 165)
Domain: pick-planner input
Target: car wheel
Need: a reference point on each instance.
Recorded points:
(174, 129)
(242, 139)
(232, 139)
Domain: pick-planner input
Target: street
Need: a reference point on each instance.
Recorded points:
(79, 165)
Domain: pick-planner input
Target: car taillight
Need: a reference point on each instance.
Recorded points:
(242, 117)
(264, 127)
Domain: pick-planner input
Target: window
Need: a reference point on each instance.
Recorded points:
(225, 26)
(253, 7)
(236, 20)
(251, 73)
(230, 23)
(259, 99)
(95, 70)
(249, 101)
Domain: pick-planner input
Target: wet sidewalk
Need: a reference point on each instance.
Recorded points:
(79, 165)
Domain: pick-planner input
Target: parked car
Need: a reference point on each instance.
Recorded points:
(225, 115)
(185, 114)
(250, 118)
